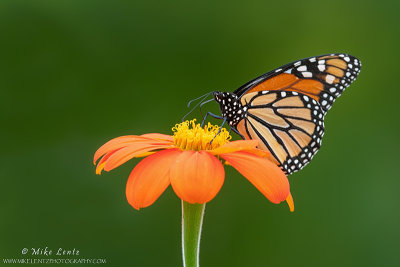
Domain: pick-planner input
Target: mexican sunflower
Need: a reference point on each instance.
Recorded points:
(191, 161)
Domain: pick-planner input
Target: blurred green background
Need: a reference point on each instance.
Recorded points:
(74, 74)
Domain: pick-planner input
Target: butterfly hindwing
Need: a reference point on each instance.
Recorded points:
(288, 124)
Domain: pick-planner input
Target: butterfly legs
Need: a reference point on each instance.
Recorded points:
(221, 118)
(214, 116)
(217, 117)
(236, 131)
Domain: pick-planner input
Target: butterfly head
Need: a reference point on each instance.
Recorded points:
(230, 105)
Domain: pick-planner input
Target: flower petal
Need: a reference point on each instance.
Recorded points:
(268, 178)
(102, 162)
(149, 179)
(158, 136)
(124, 154)
(197, 176)
(290, 203)
(124, 141)
(233, 146)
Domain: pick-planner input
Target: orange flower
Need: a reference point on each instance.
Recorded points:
(190, 161)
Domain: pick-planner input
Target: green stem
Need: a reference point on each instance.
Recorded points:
(192, 220)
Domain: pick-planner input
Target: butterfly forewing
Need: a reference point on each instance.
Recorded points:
(322, 78)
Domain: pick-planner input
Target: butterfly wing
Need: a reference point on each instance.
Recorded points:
(285, 108)
(322, 78)
(288, 124)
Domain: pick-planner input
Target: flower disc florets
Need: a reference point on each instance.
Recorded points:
(191, 136)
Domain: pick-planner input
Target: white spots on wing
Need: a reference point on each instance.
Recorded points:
(307, 74)
(347, 59)
(288, 71)
(305, 98)
(332, 89)
(298, 63)
(302, 68)
(283, 94)
(329, 78)
(348, 74)
(313, 59)
(321, 67)
(321, 62)
(324, 102)
(278, 70)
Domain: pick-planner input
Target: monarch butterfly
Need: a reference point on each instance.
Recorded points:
(285, 108)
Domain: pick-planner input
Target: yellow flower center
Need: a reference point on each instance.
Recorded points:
(191, 136)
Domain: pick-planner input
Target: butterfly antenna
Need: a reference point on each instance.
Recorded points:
(204, 97)
(191, 101)
(205, 102)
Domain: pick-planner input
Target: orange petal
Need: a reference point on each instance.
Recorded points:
(268, 178)
(197, 176)
(129, 152)
(124, 141)
(102, 162)
(150, 178)
(290, 203)
(158, 136)
(235, 146)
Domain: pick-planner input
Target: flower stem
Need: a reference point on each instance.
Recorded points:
(192, 220)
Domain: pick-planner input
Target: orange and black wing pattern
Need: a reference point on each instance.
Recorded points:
(284, 109)
(322, 78)
(288, 124)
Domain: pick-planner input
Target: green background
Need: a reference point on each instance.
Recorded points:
(74, 74)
